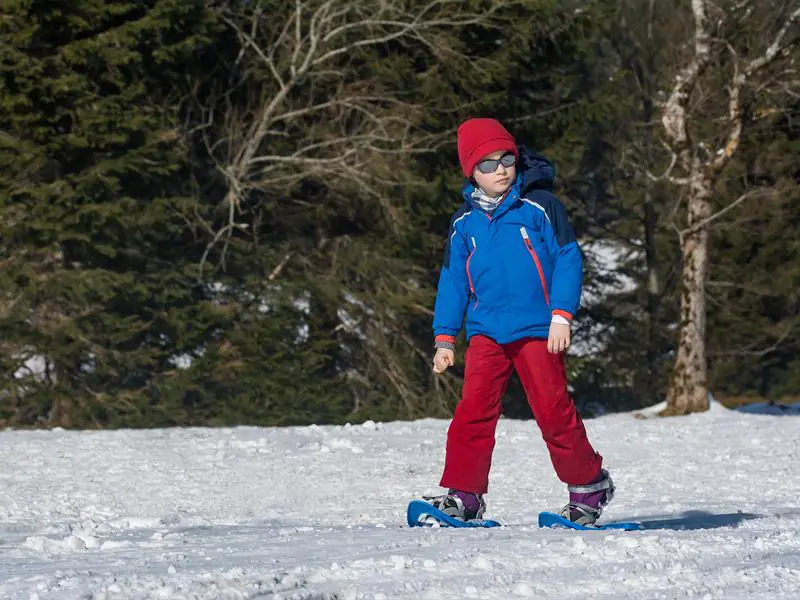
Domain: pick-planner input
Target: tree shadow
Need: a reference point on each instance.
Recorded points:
(770, 408)
(697, 519)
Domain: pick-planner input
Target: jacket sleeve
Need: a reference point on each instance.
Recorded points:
(453, 292)
(567, 281)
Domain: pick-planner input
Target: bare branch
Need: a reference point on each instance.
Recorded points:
(739, 80)
(277, 270)
(667, 174)
(775, 48)
(225, 232)
(758, 192)
(668, 171)
(249, 41)
(307, 115)
(761, 351)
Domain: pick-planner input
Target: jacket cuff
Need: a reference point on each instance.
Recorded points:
(559, 319)
(562, 313)
(446, 341)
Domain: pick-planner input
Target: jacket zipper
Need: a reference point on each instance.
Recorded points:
(469, 277)
(535, 258)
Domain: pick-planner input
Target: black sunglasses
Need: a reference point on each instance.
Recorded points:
(489, 165)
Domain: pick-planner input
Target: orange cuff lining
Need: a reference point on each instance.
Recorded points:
(446, 338)
(563, 313)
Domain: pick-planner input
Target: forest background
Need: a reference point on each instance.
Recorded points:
(219, 212)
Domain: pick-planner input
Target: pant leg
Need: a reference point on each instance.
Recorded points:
(543, 376)
(470, 438)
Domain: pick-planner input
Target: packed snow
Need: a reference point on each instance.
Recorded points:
(319, 513)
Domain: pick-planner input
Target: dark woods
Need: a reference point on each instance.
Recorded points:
(233, 212)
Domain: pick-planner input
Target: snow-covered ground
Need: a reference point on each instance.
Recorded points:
(318, 512)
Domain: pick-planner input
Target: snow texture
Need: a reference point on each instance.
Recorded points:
(318, 513)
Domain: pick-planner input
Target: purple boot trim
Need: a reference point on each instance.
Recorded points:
(593, 499)
(472, 502)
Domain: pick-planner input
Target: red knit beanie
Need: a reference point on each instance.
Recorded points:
(479, 137)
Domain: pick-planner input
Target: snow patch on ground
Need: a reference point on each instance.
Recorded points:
(318, 512)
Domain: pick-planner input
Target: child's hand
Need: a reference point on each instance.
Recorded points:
(444, 358)
(558, 340)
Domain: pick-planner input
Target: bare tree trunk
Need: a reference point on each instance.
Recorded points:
(688, 391)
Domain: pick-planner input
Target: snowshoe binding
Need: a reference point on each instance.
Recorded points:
(586, 502)
(459, 505)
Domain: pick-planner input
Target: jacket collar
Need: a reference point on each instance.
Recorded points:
(512, 197)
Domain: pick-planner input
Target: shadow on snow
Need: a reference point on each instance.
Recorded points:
(696, 519)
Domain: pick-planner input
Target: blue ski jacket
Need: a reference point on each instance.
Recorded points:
(512, 270)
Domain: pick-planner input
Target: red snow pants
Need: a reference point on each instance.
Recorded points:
(471, 436)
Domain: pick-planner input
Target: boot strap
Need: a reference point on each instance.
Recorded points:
(585, 508)
(590, 488)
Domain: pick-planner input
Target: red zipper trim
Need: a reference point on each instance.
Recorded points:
(469, 277)
(535, 258)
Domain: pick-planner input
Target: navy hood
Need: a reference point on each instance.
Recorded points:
(537, 171)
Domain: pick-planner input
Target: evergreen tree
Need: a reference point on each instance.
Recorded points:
(94, 198)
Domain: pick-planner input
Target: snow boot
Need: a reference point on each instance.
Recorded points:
(586, 502)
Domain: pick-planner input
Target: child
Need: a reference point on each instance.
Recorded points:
(513, 265)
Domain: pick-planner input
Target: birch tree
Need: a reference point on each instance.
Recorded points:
(748, 51)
